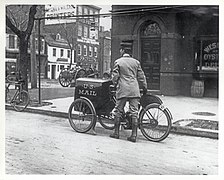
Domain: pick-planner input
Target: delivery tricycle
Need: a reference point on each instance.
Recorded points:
(94, 100)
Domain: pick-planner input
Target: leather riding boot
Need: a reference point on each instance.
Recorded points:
(133, 136)
(116, 130)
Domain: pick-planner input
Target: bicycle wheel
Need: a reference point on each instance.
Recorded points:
(82, 115)
(155, 122)
(107, 122)
(21, 100)
(7, 96)
(65, 78)
(11, 78)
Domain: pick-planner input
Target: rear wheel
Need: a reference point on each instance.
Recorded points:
(65, 78)
(155, 122)
(107, 122)
(21, 101)
(82, 115)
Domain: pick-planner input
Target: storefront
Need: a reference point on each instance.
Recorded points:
(177, 46)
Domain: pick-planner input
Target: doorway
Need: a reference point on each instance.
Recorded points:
(53, 71)
(151, 54)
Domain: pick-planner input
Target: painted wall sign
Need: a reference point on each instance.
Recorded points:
(210, 55)
(59, 11)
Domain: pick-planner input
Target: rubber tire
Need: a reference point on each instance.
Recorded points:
(18, 107)
(92, 121)
(64, 82)
(166, 115)
(111, 127)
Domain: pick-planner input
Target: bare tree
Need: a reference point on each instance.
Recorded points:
(71, 38)
(20, 19)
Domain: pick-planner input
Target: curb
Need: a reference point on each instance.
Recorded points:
(175, 129)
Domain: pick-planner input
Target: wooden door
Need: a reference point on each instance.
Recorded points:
(150, 61)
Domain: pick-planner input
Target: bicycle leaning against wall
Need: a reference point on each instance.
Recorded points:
(20, 98)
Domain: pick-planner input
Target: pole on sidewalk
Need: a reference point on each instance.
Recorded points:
(39, 60)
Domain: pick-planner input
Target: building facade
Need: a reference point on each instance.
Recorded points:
(178, 46)
(59, 55)
(105, 51)
(12, 54)
(81, 33)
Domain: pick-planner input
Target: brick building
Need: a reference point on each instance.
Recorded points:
(177, 46)
(82, 33)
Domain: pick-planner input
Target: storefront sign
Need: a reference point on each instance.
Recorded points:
(59, 12)
(210, 55)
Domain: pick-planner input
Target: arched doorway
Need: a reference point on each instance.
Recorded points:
(150, 40)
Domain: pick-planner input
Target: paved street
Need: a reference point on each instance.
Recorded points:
(38, 144)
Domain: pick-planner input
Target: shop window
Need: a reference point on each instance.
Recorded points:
(207, 55)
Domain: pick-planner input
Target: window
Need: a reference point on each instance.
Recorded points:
(90, 51)
(95, 51)
(54, 52)
(62, 52)
(48, 68)
(207, 54)
(85, 31)
(17, 43)
(11, 41)
(79, 49)
(96, 19)
(68, 53)
(79, 10)
(85, 50)
(42, 45)
(96, 34)
(79, 30)
(85, 11)
(58, 37)
(61, 67)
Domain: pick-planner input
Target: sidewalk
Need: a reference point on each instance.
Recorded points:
(191, 116)
(197, 117)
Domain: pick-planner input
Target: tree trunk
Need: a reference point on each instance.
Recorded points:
(70, 58)
(33, 62)
(23, 61)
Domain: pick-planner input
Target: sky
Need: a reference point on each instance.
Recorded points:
(106, 22)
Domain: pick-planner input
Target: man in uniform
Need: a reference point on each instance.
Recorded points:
(128, 76)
